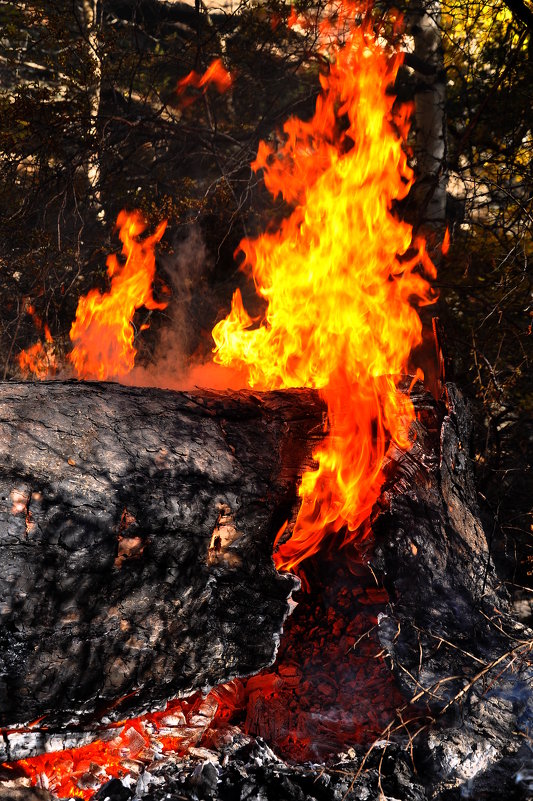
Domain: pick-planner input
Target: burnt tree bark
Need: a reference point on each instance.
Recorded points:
(464, 666)
(136, 531)
(454, 647)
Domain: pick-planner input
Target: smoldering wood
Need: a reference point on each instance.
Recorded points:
(137, 528)
(453, 644)
(463, 664)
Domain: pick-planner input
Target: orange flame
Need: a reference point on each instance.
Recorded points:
(341, 278)
(445, 247)
(102, 333)
(39, 360)
(293, 18)
(215, 74)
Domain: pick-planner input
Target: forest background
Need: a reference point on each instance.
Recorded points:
(90, 123)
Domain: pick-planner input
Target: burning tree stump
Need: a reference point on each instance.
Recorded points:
(137, 530)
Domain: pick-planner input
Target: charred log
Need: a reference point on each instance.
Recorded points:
(137, 529)
(463, 665)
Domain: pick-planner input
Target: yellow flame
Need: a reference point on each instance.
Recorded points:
(340, 287)
(102, 333)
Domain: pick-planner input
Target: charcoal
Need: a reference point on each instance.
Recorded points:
(113, 790)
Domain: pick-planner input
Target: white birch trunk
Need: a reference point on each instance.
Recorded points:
(90, 16)
(430, 120)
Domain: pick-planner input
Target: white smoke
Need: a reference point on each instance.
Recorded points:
(182, 359)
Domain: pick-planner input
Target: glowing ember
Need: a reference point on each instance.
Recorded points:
(129, 746)
(102, 333)
(340, 286)
(303, 705)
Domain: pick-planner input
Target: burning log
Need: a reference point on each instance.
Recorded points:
(137, 529)
(343, 279)
(463, 666)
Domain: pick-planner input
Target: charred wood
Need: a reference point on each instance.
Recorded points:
(137, 529)
(452, 643)
(462, 663)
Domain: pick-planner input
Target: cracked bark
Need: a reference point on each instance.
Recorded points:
(137, 530)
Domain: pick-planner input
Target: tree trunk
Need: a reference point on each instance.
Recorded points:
(137, 529)
(429, 192)
(92, 24)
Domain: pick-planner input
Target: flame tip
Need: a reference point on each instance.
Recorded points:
(341, 313)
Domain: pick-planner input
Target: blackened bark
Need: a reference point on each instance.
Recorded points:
(458, 656)
(136, 529)
(464, 666)
(453, 646)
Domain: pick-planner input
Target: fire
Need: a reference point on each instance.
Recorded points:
(39, 360)
(445, 247)
(78, 772)
(102, 333)
(215, 74)
(341, 278)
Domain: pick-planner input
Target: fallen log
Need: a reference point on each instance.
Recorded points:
(137, 529)
(463, 665)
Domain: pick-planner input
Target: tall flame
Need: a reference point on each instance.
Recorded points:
(102, 333)
(341, 278)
